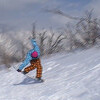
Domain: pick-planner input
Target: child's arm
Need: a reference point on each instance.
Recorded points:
(36, 47)
(26, 61)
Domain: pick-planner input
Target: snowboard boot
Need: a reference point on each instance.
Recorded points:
(24, 72)
(39, 79)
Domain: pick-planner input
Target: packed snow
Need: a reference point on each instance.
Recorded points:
(73, 76)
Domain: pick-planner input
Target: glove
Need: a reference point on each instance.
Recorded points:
(33, 40)
(19, 70)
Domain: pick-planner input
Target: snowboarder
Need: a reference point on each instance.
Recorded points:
(32, 57)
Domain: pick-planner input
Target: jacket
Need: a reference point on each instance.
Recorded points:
(28, 56)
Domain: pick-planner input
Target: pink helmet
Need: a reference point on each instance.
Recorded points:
(34, 54)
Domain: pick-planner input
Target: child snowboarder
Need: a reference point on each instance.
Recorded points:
(32, 57)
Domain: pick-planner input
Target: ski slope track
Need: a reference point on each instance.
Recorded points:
(74, 76)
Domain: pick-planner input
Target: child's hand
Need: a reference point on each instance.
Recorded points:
(19, 70)
(33, 40)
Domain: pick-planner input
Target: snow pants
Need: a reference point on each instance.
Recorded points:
(35, 64)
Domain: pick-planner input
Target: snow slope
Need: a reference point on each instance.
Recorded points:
(75, 76)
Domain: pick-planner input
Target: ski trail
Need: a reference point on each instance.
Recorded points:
(96, 67)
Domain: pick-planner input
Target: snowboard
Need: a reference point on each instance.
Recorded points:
(35, 79)
(30, 77)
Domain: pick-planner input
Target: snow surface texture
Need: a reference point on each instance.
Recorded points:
(67, 77)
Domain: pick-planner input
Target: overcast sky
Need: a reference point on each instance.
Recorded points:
(20, 14)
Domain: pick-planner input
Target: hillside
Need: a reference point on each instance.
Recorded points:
(74, 76)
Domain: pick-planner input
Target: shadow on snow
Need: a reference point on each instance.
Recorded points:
(28, 81)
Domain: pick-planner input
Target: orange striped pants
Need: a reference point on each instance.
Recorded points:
(35, 64)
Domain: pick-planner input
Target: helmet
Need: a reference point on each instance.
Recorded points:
(34, 54)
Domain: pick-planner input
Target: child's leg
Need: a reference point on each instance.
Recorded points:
(31, 67)
(28, 69)
(39, 69)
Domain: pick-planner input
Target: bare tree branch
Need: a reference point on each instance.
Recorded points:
(59, 12)
(42, 38)
(34, 30)
(54, 45)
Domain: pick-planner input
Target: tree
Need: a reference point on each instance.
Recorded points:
(54, 43)
(42, 38)
(89, 28)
